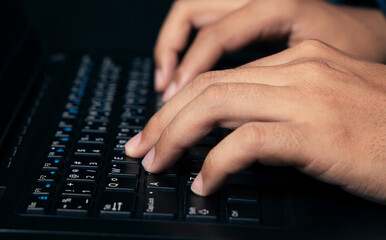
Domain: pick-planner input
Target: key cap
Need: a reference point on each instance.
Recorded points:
(43, 188)
(57, 152)
(79, 174)
(94, 150)
(117, 204)
(160, 182)
(201, 208)
(74, 206)
(198, 151)
(121, 184)
(92, 138)
(78, 189)
(135, 101)
(190, 178)
(118, 169)
(53, 164)
(37, 204)
(127, 133)
(132, 122)
(48, 176)
(61, 142)
(86, 162)
(94, 127)
(243, 213)
(242, 193)
(120, 157)
(133, 112)
(160, 204)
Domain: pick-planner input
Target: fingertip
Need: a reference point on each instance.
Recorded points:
(148, 160)
(170, 91)
(132, 144)
(197, 185)
(158, 80)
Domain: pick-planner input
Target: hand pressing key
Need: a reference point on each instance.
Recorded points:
(228, 25)
(310, 106)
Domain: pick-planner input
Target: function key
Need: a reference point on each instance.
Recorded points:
(94, 127)
(52, 164)
(43, 188)
(134, 122)
(48, 176)
(61, 142)
(57, 152)
(121, 157)
(37, 204)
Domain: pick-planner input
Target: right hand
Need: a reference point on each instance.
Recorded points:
(227, 26)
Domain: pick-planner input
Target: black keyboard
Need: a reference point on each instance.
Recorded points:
(86, 173)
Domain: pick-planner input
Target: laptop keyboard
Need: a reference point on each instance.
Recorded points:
(87, 174)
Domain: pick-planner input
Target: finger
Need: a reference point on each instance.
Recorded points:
(253, 21)
(220, 105)
(267, 143)
(139, 145)
(174, 33)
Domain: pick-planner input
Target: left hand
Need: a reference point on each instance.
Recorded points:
(310, 106)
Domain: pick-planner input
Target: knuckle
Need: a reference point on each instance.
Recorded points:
(253, 135)
(215, 92)
(313, 47)
(208, 33)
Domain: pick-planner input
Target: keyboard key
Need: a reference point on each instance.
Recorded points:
(243, 213)
(92, 138)
(190, 178)
(161, 182)
(201, 208)
(123, 170)
(117, 204)
(53, 164)
(74, 206)
(48, 176)
(160, 204)
(242, 193)
(57, 152)
(127, 133)
(121, 184)
(61, 142)
(94, 150)
(94, 127)
(120, 157)
(37, 204)
(86, 162)
(78, 189)
(43, 188)
(79, 174)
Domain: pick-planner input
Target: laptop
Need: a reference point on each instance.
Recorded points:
(65, 117)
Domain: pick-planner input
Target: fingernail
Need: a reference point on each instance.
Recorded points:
(197, 185)
(170, 91)
(133, 143)
(148, 159)
(158, 79)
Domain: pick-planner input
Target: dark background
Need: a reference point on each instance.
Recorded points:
(96, 24)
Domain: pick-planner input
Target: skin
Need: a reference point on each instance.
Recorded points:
(310, 106)
(228, 25)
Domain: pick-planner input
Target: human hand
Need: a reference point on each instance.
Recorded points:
(226, 26)
(310, 106)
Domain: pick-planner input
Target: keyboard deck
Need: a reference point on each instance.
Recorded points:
(86, 173)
